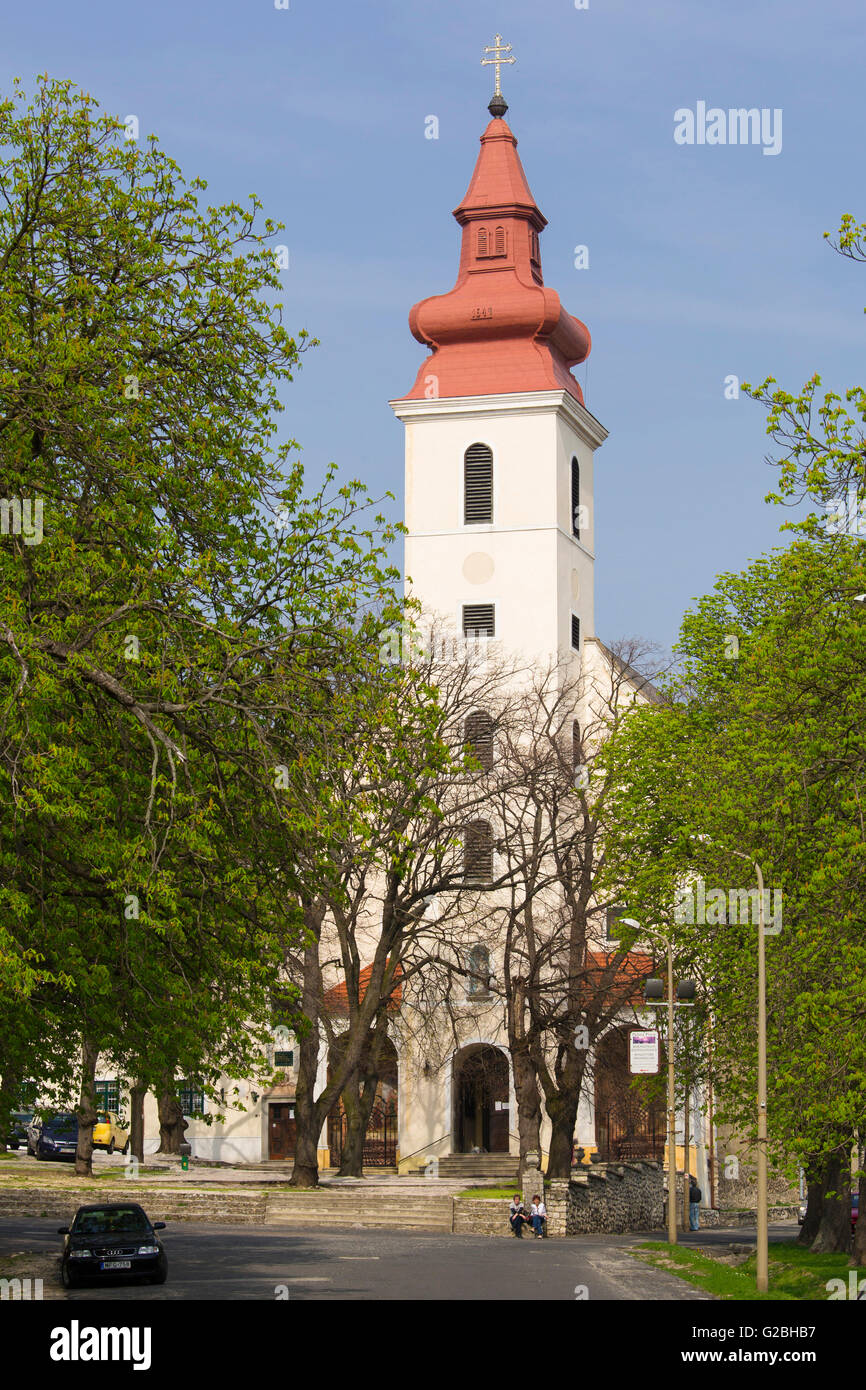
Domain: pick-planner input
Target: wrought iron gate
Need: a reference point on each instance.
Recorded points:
(380, 1140)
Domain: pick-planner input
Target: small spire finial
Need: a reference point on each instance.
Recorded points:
(498, 105)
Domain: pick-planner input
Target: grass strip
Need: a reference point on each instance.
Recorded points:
(795, 1273)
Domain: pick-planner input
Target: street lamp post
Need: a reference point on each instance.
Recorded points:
(762, 1253)
(672, 1118)
(762, 1249)
(653, 990)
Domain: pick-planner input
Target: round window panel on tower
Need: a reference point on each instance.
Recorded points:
(478, 567)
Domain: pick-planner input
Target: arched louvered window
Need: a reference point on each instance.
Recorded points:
(575, 498)
(482, 241)
(479, 971)
(575, 744)
(477, 485)
(478, 852)
(534, 252)
(479, 737)
(499, 241)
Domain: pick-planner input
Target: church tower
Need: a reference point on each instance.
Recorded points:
(499, 443)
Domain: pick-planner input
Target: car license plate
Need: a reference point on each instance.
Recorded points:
(116, 1264)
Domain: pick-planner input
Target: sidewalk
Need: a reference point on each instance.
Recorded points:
(160, 1170)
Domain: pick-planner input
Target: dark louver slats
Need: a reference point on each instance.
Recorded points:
(478, 485)
(479, 737)
(478, 852)
(478, 620)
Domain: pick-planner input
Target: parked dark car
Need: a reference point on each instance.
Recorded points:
(58, 1137)
(112, 1240)
(18, 1122)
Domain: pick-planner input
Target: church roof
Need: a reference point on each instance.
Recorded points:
(500, 329)
(336, 999)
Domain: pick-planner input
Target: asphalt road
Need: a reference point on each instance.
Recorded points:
(248, 1262)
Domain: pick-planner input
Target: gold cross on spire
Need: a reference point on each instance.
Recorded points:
(497, 49)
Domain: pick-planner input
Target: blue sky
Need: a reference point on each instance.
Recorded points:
(704, 260)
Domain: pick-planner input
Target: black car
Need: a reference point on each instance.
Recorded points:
(18, 1122)
(110, 1240)
(57, 1137)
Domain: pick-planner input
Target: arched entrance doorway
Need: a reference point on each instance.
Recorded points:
(480, 1088)
(629, 1123)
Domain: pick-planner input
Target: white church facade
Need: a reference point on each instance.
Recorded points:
(499, 469)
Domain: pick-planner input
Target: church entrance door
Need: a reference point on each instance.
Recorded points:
(480, 1086)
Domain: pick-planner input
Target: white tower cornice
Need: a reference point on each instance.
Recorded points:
(522, 403)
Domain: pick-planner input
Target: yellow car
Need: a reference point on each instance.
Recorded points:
(109, 1134)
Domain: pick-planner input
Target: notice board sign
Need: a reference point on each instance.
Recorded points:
(643, 1051)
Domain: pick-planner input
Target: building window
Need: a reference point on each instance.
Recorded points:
(575, 498)
(107, 1095)
(478, 852)
(534, 252)
(477, 485)
(499, 242)
(575, 632)
(284, 1059)
(575, 744)
(191, 1099)
(482, 241)
(479, 620)
(478, 732)
(479, 971)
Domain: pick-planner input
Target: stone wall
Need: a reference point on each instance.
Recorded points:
(482, 1216)
(613, 1197)
(742, 1191)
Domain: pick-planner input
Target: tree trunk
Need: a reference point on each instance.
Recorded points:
(814, 1174)
(834, 1229)
(528, 1104)
(86, 1109)
(359, 1098)
(358, 1105)
(563, 1114)
(172, 1125)
(10, 1086)
(305, 1170)
(137, 1093)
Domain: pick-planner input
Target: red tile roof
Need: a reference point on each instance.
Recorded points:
(336, 999)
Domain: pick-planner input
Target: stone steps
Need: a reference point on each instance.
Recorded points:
(499, 1169)
(347, 1207)
(398, 1210)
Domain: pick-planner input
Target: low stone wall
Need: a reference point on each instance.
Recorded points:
(233, 1208)
(611, 1197)
(481, 1216)
(739, 1216)
(741, 1192)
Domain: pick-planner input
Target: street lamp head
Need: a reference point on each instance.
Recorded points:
(686, 990)
(654, 989)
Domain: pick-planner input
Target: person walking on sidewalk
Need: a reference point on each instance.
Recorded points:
(694, 1204)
